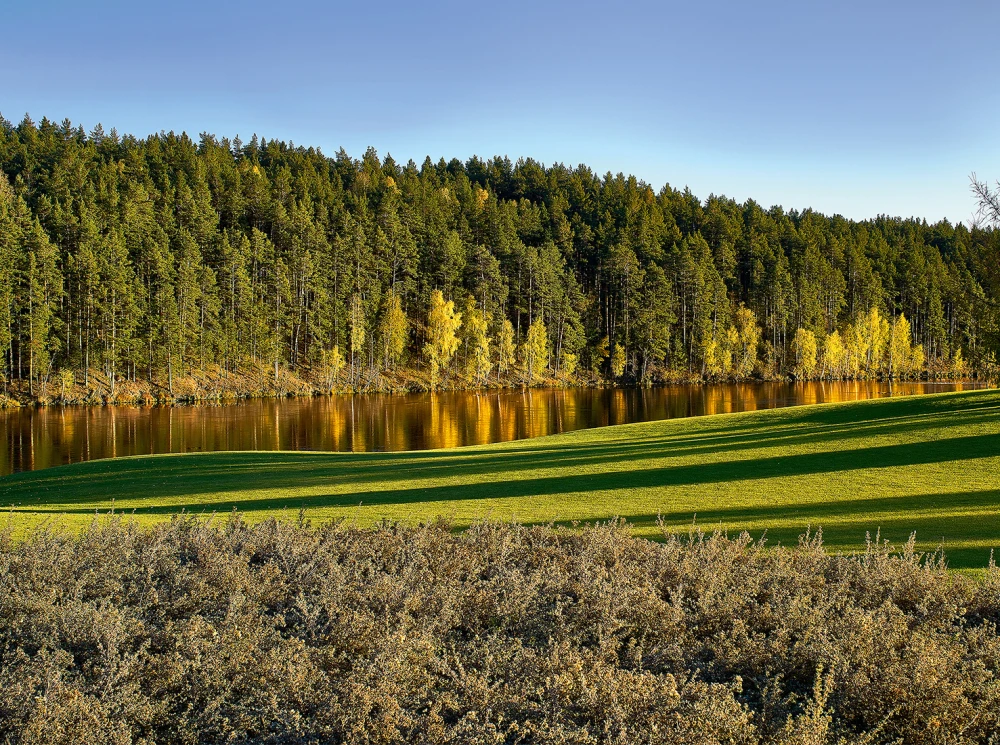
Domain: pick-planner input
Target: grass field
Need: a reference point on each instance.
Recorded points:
(929, 464)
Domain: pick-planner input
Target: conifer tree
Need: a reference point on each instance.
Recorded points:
(146, 257)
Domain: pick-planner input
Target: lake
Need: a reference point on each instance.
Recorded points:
(37, 438)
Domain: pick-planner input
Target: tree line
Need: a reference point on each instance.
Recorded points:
(145, 259)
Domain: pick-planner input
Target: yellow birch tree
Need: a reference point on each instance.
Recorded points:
(505, 348)
(834, 355)
(442, 342)
(536, 350)
(804, 348)
(393, 329)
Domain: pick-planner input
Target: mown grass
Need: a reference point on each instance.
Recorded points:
(929, 464)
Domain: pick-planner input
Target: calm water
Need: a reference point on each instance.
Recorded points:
(39, 438)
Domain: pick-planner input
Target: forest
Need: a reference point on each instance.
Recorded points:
(144, 264)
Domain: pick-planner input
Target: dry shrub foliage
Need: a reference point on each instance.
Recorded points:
(284, 633)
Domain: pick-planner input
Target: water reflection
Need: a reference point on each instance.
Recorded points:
(38, 438)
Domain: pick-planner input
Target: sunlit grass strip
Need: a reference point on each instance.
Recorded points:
(929, 464)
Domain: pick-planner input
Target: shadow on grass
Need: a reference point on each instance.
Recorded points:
(752, 448)
(597, 465)
(355, 492)
(950, 520)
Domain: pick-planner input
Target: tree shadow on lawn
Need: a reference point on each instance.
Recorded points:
(165, 476)
(844, 524)
(938, 451)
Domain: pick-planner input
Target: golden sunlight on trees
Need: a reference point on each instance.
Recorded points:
(505, 348)
(261, 255)
(331, 363)
(602, 353)
(442, 342)
(536, 350)
(877, 333)
(393, 330)
(804, 349)
(569, 361)
(618, 361)
(899, 357)
(359, 331)
(477, 340)
(746, 340)
(834, 355)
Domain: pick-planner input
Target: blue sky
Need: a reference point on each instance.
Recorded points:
(858, 108)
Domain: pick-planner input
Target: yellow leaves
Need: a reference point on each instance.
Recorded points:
(618, 361)
(482, 196)
(359, 325)
(747, 340)
(713, 358)
(475, 330)
(442, 324)
(536, 349)
(331, 364)
(505, 347)
(899, 347)
(834, 355)
(393, 329)
(958, 367)
(804, 347)
(569, 361)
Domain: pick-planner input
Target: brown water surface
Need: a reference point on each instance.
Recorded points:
(35, 438)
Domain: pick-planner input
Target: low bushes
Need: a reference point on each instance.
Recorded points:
(284, 633)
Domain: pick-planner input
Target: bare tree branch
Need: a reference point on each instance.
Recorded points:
(988, 211)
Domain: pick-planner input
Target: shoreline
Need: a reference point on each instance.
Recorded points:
(216, 386)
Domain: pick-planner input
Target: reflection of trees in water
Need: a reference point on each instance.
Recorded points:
(38, 438)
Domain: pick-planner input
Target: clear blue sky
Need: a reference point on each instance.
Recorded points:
(859, 108)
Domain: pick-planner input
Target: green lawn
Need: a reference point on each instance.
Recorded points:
(925, 463)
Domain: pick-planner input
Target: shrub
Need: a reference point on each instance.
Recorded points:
(285, 633)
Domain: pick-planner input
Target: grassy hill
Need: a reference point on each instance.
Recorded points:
(929, 464)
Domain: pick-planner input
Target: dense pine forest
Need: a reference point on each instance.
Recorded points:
(171, 267)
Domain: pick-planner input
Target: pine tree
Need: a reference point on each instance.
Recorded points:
(173, 253)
